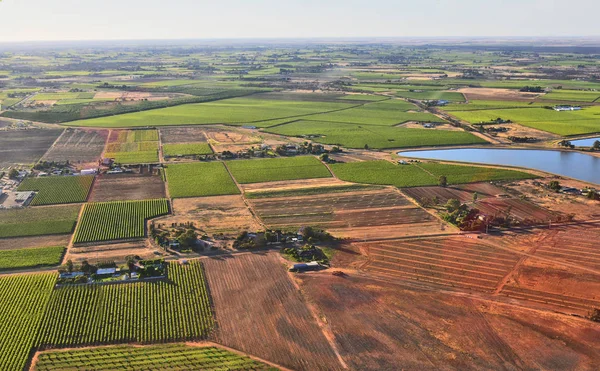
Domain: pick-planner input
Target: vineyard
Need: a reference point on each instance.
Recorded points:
(276, 169)
(24, 300)
(105, 221)
(187, 149)
(133, 146)
(38, 221)
(177, 309)
(163, 357)
(197, 179)
(31, 257)
(58, 189)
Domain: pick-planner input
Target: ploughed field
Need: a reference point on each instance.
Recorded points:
(259, 311)
(121, 187)
(453, 262)
(78, 146)
(340, 210)
(25, 146)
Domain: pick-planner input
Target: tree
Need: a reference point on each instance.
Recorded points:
(443, 181)
(435, 200)
(325, 157)
(13, 173)
(188, 238)
(475, 197)
(595, 315)
(366, 146)
(69, 265)
(554, 185)
(596, 145)
(452, 205)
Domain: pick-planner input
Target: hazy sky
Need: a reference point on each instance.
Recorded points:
(168, 19)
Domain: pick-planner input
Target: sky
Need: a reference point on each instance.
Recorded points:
(38, 20)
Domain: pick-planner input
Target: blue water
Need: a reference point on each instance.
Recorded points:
(584, 142)
(569, 164)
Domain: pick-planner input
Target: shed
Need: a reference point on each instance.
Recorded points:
(106, 271)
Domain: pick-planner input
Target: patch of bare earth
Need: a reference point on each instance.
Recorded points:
(293, 184)
(117, 187)
(191, 134)
(416, 125)
(497, 94)
(259, 311)
(38, 241)
(381, 326)
(116, 252)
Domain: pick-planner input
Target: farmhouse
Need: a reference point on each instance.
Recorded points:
(566, 108)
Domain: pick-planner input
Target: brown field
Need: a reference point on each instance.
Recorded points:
(192, 134)
(125, 95)
(453, 262)
(576, 244)
(381, 326)
(345, 210)
(116, 252)
(293, 184)
(79, 146)
(497, 94)
(25, 146)
(259, 311)
(523, 211)
(118, 187)
(37, 241)
(220, 136)
(217, 214)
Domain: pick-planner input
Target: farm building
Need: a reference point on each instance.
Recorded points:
(305, 267)
(24, 197)
(566, 108)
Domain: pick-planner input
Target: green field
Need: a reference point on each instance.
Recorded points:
(38, 221)
(424, 174)
(489, 104)
(58, 189)
(177, 309)
(134, 147)
(276, 169)
(198, 179)
(378, 137)
(105, 221)
(163, 357)
(227, 111)
(572, 95)
(187, 149)
(385, 113)
(561, 123)
(24, 301)
(31, 257)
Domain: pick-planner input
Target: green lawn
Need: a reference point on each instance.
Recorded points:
(38, 221)
(186, 149)
(378, 137)
(561, 123)
(199, 179)
(276, 169)
(424, 174)
(31, 257)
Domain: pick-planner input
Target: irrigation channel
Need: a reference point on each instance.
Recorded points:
(570, 164)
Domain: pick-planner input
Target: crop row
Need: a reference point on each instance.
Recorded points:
(160, 311)
(103, 221)
(58, 189)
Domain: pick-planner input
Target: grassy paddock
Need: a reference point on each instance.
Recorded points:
(199, 179)
(38, 221)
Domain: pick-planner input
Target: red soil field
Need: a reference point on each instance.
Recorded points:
(259, 311)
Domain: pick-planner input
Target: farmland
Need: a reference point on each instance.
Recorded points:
(269, 170)
(38, 221)
(184, 134)
(133, 146)
(187, 149)
(199, 179)
(25, 146)
(24, 301)
(131, 312)
(31, 257)
(58, 189)
(386, 173)
(122, 187)
(272, 306)
(228, 111)
(106, 221)
(378, 137)
(78, 146)
(163, 357)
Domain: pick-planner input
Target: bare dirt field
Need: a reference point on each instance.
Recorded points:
(497, 94)
(224, 136)
(118, 187)
(38, 241)
(191, 134)
(134, 95)
(78, 146)
(453, 262)
(293, 184)
(116, 252)
(344, 210)
(382, 326)
(218, 214)
(259, 311)
(524, 131)
(25, 146)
